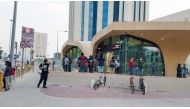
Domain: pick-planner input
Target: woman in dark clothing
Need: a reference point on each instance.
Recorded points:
(179, 71)
(70, 62)
(91, 64)
(44, 75)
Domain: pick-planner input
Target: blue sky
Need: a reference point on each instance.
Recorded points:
(48, 17)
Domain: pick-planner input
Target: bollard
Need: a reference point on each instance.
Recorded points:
(1, 81)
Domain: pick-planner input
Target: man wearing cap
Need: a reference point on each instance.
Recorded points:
(44, 75)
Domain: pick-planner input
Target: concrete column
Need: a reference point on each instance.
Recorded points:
(99, 16)
(120, 10)
(173, 54)
(110, 12)
(77, 20)
(86, 19)
(128, 10)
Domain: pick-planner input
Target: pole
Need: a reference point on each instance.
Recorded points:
(10, 35)
(16, 43)
(22, 69)
(126, 53)
(57, 47)
(13, 33)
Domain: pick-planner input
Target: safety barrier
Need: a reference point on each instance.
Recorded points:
(1, 81)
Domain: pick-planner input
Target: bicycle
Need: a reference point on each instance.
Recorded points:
(100, 82)
(97, 84)
(142, 85)
(132, 86)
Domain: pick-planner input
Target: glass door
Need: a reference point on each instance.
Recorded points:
(108, 56)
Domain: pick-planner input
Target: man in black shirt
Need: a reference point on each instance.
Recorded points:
(44, 75)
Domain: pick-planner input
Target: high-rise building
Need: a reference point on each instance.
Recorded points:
(40, 44)
(87, 18)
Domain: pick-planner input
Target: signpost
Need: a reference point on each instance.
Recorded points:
(22, 45)
(27, 42)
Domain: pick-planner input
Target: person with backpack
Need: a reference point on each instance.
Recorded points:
(91, 64)
(44, 75)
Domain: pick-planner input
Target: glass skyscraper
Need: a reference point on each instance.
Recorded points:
(89, 17)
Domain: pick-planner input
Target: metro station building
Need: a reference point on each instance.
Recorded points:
(164, 43)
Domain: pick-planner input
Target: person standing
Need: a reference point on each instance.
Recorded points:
(131, 65)
(141, 64)
(101, 64)
(12, 76)
(112, 65)
(184, 71)
(117, 66)
(95, 64)
(82, 63)
(154, 69)
(53, 64)
(69, 64)
(63, 63)
(7, 75)
(179, 70)
(66, 63)
(91, 64)
(44, 75)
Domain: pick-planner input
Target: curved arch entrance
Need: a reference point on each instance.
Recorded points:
(146, 55)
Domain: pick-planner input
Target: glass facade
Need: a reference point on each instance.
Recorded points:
(82, 21)
(139, 10)
(123, 7)
(125, 47)
(134, 17)
(144, 12)
(105, 14)
(116, 11)
(92, 19)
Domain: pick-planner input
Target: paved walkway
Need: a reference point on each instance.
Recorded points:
(61, 85)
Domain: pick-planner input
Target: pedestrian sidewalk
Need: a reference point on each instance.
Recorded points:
(25, 93)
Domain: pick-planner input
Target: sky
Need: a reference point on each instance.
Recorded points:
(48, 17)
(44, 17)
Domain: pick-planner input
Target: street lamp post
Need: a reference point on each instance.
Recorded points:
(13, 33)
(11, 24)
(58, 41)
